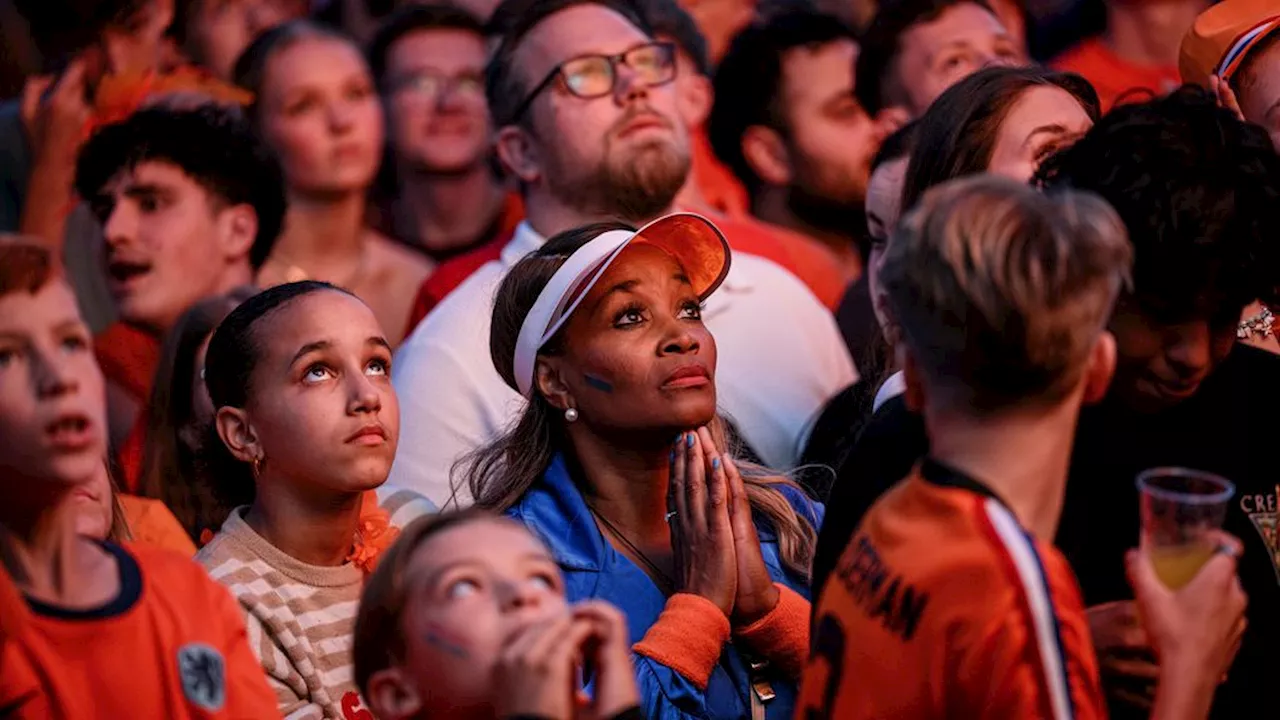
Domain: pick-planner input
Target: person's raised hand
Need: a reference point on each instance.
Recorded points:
(757, 594)
(537, 668)
(1225, 96)
(608, 655)
(1195, 630)
(701, 536)
(55, 123)
(1125, 659)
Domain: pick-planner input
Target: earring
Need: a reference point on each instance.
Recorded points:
(571, 414)
(257, 467)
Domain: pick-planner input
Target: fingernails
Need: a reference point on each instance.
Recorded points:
(715, 463)
(690, 439)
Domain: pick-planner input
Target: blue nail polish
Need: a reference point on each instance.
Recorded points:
(715, 463)
(672, 456)
(690, 439)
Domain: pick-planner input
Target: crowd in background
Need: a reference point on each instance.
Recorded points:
(623, 359)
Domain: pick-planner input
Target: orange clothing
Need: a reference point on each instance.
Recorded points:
(128, 357)
(171, 645)
(129, 455)
(690, 634)
(151, 523)
(449, 275)
(806, 258)
(942, 606)
(381, 217)
(12, 612)
(1116, 79)
(798, 254)
(719, 186)
(19, 685)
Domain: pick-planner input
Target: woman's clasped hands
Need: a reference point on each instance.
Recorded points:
(713, 539)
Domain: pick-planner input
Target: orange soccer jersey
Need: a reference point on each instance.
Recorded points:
(19, 686)
(171, 645)
(942, 606)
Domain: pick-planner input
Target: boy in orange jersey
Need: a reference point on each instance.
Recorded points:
(950, 600)
(91, 629)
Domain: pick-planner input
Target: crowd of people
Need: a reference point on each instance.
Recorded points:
(620, 359)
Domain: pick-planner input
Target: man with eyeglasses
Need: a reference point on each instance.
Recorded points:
(442, 194)
(588, 125)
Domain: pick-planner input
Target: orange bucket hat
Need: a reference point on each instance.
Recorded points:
(1222, 37)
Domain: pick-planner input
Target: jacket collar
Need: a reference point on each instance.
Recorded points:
(555, 509)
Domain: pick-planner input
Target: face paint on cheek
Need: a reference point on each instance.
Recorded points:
(598, 383)
(446, 641)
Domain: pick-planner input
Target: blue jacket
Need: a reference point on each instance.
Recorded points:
(555, 510)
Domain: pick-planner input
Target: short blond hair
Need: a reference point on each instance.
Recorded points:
(1001, 292)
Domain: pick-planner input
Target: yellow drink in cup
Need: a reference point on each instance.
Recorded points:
(1175, 565)
(1181, 511)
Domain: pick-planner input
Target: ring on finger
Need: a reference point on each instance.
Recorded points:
(670, 515)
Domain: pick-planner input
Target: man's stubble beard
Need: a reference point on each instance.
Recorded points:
(823, 208)
(635, 187)
(844, 218)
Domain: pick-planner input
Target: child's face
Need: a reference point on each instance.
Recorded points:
(52, 406)
(469, 589)
(321, 407)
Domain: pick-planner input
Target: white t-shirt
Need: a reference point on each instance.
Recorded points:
(780, 358)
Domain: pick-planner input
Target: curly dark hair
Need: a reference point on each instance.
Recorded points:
(748, 82)
(212, 144)
(1198, 191)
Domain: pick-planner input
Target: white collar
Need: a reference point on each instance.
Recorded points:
(894, 385)
(525, 240)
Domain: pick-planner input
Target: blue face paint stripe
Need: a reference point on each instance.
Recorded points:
(438, 637)
(598, 383)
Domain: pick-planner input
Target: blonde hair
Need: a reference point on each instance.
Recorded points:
(1001, 292)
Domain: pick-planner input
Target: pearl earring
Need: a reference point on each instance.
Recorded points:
(571, 415)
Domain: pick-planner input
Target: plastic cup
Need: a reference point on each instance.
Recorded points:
(1182, 510)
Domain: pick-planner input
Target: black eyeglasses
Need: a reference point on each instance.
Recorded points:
(593, 76)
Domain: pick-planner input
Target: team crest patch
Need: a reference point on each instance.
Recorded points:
(1261, 509)
(204, 676)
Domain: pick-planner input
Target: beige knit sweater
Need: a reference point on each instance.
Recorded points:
(300, 617)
